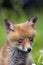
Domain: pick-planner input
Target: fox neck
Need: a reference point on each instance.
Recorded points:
(17, 57)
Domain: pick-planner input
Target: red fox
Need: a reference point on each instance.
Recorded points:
(19, 43)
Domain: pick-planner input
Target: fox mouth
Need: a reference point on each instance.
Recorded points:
(24, 50)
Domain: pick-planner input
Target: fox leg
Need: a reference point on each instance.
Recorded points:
(30, 60)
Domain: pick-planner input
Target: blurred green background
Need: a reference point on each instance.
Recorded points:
(20, 11)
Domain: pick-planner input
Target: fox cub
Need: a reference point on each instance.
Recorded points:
(19, 43)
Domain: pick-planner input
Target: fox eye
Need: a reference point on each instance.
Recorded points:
(31, 39)
(11, 30)
(20, 40)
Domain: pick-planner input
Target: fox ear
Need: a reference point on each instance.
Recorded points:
(33, 20)
(9, 26)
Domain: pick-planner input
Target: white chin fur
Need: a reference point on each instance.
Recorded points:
(24, 49)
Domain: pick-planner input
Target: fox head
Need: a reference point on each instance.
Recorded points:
(21, 35)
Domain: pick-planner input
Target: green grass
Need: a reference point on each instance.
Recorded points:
(22, 16)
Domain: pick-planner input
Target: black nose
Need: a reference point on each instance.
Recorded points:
(29, 49)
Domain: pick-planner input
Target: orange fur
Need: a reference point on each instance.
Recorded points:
(21, 31)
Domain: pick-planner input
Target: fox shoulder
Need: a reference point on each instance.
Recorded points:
(4, 55)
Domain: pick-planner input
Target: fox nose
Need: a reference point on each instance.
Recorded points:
(29, 49)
